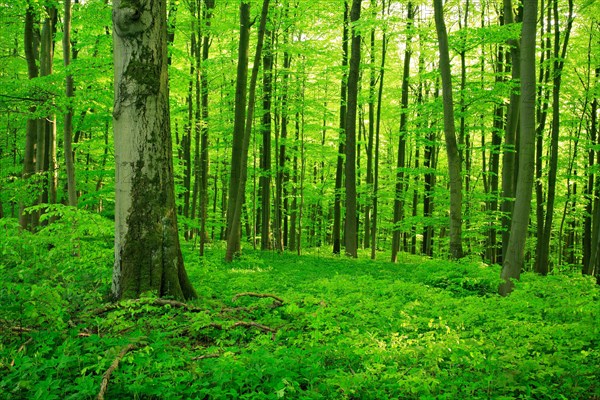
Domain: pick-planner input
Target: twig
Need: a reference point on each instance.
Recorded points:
(12, 363)
(261, 295)
(112, 368)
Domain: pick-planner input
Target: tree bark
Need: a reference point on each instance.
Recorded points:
(234, 236)
(339, 172)
(543, 261)
(209, 5)
(515, 254)
(376, 150)
(401, 159)
(454, 162)
(509, 153)
(147, 252)
(30, 44)
(350, 231)
(68, 122)
(265, 160)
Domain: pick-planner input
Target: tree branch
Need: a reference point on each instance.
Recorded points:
(112, 368)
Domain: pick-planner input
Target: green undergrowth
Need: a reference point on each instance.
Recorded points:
(326, 327)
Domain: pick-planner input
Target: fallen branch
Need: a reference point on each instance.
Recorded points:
(261, 295)
(23, 346)
(112, 368)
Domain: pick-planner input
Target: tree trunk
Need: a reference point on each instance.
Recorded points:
(592, 189)
(239, 123)
(209, 5)
(339, 172)
(401, 160)
(68, 123)
(265, 159)
(350, 231)
(234, 236)
(509, 172)
(30, 44)
(376, 150)
(542, 261)
(515, 254)
(147, 252)
(454, 162)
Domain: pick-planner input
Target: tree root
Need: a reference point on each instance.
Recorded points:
(112, 368)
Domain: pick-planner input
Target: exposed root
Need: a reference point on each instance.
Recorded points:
(112, 368)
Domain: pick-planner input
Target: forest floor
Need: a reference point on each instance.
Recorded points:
(270, 326)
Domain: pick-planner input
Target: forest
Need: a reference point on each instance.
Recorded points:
(328, 199)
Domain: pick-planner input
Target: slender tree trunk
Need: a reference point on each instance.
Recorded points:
(147, 252)
(592, 221)
(30, 44)
(376, 150)
(234, 236)
(401, 160)
(454, 162)
(350, 231)
(542, 261)
(371, 104)
(265, 160)
(209, 5)
(239, 123)
(515, 254)
(339, 174)
(68, 122)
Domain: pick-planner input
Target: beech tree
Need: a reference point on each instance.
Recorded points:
(515, 253)
(454, 162)
(147, 252)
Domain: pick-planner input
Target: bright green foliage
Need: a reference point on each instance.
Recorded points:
(347, 329)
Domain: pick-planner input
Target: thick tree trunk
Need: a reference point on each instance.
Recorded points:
(515, 254)
(147, 253)
(454, 162)
(351, 231)
(509, 154)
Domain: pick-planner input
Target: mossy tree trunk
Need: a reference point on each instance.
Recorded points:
(147, 253)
